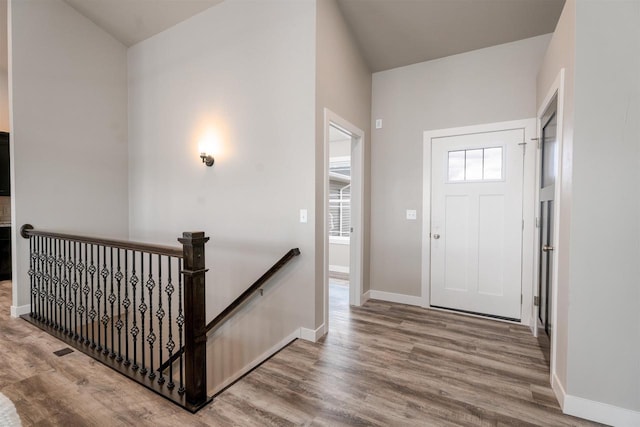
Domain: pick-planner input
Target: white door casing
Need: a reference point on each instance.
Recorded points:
(356, 262)
(485, 276)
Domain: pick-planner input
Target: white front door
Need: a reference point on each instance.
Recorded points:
(476, 223)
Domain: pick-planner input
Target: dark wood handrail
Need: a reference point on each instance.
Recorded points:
(227, 312)
(27, 231)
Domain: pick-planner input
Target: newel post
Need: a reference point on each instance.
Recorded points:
(195, 334)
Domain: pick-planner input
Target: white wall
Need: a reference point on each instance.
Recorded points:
(604, 309)
(483, 86)
(343, 85)
(246, 71)
(559, 55)
(68, 94)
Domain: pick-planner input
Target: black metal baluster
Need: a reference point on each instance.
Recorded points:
(126, 303)
(61, 273)
(51, 296)
(83, 308)
(86, 290)
(92, 312)
(38, 267)
(35, 307)
(134, 329)
(151, 338)
(98, 297)
(56, 283)
(170, 343)
(180, 322)
(119, 323)
(143, 310)
(32, 279)
(105, 317)
(75, 286)
(44, 297)
(160, 316)
(68, 323)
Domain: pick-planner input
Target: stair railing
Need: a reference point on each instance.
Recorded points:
(124, 304)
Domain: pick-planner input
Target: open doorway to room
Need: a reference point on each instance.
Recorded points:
(344, 158)
(339, 217)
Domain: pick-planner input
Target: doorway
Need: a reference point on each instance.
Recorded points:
(476, 215)
(344, 163)
(548, 173)
(478, 223)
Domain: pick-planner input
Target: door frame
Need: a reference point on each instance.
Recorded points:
(528, 127)
(556, 90)
(356, 248)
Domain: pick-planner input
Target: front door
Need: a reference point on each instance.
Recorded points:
(547, 193)
(476, 223)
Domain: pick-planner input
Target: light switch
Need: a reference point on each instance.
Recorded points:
(412, 214)
(303, 216)
(378, 123)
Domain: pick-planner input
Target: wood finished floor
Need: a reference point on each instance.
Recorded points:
(381, 364)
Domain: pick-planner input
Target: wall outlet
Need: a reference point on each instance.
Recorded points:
(303, 216)
(412, 214)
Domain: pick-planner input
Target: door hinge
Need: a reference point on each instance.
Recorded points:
(521, 299)
(523, 224)
(536, 301)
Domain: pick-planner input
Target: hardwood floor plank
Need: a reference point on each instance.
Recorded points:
(381, 364)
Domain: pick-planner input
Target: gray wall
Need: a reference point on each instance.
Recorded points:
(343, 84)
(483, 86)
(561, 54)
(604, 310)
(243, 70)
(68, 88)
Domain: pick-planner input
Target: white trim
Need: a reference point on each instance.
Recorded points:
(17, 311)
(311, 334)
(356, 253)
(397, 298)
(529, 130)
(600, 412)
(366, 297)
(558, 389)
(258, 360)
(339, 269)
(556, 89)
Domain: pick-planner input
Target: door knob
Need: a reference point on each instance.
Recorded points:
(436, 236)
(547, 248)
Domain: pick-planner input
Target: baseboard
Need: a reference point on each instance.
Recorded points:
(365, 297)
(600, 412)
(17, 311)
(558, 389)
(256, 362)
(311, 334)
(393, 297)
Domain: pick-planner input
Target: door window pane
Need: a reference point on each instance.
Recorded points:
(456, 165)
(492, 168)
(480, 164)
(473, 165)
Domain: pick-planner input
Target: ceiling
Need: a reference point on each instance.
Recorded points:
(132, 21)
(395, 33)
(390, 33)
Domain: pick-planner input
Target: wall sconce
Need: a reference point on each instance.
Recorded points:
(207, 159)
